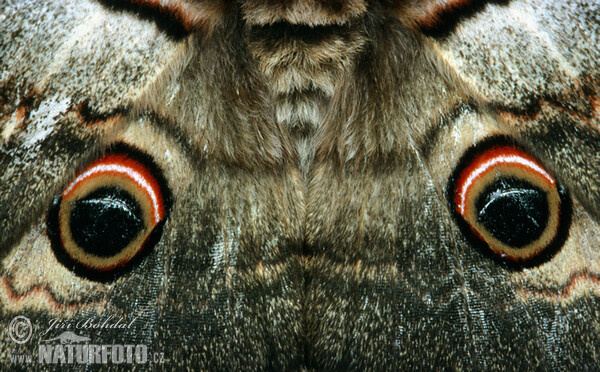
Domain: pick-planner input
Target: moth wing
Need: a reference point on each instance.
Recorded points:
(69, 74)
(531, 69)
(393, 279)
(536, 65)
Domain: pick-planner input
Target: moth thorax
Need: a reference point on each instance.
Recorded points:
(302, 67)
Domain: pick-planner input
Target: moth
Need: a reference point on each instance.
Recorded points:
(301, 184)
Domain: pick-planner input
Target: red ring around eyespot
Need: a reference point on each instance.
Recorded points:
(122, 165)
(486, 162)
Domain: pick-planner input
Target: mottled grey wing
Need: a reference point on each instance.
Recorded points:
(70, 71)
(219, 290)
(393, 281)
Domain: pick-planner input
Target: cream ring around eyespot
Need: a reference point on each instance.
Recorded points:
(552, 225)
(112, 242)
(127, 172)
(127, 253)
(499, 161)
(95, 262)
(126, 184)
(504, 170)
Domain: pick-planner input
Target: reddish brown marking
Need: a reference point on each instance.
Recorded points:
(191, 15)
(104, 124)
(535, 111)
(512, 117)
(435, 11)
(176, 11)
(130, 167)
(564, 291)
(594, 101)
(21, 113)
(43, 289)
(503, 155)
(88, 118)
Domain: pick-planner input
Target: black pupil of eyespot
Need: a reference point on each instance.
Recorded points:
(105, 221)
(513, 211)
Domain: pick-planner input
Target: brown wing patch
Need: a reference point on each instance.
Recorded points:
(41, 296)
(20, 121)
(533, 113)
(582, 281)
(432, 13)
(439, 17)
(13, 123)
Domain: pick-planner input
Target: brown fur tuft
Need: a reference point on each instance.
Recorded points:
(306, 12)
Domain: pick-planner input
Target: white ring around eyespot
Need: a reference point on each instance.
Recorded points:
(511, 159)
(132, 174)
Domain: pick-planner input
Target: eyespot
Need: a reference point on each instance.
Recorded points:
(110, 215)
(508, 204)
